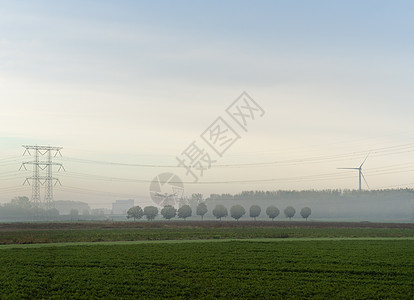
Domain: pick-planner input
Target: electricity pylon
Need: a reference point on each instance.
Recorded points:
(45, 167)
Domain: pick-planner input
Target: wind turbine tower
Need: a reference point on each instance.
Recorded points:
(361, 175)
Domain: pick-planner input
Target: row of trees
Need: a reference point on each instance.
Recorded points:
(237, 211)
(220, 211)
(168, 212)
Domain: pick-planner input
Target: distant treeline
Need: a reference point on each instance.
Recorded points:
(393, 204)
(22, 209)
(309, 194)
(374, 204)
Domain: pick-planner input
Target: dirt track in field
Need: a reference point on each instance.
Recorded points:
(195, 224)
(141, 242)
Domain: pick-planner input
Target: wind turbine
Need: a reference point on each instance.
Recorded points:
(359, 172)
(167, 198)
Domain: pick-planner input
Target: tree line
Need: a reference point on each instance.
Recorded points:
(220, 211)
(22, 208)
(308, 194)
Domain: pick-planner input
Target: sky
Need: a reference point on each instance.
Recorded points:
(126, 87)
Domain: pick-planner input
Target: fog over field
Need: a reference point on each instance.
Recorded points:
(156, 101)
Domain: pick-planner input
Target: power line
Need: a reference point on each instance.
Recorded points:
(95, 192)
(397, 185)
(380, 171)
(313, 177)
(378, 152)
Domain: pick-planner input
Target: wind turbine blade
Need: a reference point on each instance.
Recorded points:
(364, 161)
(365, 180)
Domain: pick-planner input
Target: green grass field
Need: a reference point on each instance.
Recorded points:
(281, 260)
(190, 233)
(340, 269)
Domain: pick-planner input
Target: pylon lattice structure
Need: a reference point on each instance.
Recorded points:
(42, 173)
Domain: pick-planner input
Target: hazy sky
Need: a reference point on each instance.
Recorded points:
(136, 82)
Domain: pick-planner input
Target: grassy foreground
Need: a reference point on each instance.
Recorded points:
(32, 233)
(264, 260)
(340, 269)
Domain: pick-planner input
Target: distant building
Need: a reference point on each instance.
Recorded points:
(120, 207)
(64, 207)
(98, 212)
